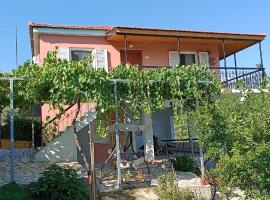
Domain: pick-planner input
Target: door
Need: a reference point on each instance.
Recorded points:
(134, 57)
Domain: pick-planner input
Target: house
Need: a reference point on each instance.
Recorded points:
(149, 48)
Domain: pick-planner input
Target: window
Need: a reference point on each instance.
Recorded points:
(79, 54)
(100, 58)
(186, 58)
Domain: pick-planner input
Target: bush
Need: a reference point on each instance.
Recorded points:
(184, 164)
(168, 190)
(12, 191)
(59, 183)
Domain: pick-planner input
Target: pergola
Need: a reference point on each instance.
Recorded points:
(146, 128)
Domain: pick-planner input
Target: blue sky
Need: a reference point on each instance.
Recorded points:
(247, 16)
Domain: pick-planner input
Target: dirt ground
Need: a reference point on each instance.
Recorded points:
(134, 194)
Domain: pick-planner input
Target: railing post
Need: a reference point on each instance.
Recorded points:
(224, 57)
(126, 56)
(178, 50)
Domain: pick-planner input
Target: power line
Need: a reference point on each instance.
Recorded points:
(14, 34)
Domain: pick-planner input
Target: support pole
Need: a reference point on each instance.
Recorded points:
(202, 162)
(235, 66)
(117, 137)
(224, 57)
(178, 50)
(11, 130)
(33, 138)
(11, 84)
(16, 46)
(126, 55)
(261, 60)
(91, 172)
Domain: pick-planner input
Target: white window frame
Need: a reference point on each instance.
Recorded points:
(185, 52)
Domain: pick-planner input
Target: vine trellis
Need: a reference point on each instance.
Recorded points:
(58, 81)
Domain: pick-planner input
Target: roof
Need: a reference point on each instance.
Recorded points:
(234, 41)
(187, 31)
(105, 28)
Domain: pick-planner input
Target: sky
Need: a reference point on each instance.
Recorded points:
(247, 16)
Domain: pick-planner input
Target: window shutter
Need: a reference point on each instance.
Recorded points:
(63, 53)
(100, 59)
(36, 59)
(204, 58)
(173, 58)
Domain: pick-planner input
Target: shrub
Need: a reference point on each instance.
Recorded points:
(184, 164)
(12, 191)
(168, 190)
(59, 183)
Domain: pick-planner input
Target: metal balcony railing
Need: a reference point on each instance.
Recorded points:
(233, 77)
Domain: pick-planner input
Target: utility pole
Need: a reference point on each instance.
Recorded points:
(16, 47)
(11, 85)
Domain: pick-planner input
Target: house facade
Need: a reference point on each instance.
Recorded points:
(148, 48)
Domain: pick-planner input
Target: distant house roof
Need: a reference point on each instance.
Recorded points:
(235, 41)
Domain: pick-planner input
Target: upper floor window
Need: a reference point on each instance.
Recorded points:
(99, 56)
(79, 54)
(188, 58)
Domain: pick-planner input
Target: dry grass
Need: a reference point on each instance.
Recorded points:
(133, 194)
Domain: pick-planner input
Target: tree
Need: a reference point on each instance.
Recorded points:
(236, 135)
(4, 99)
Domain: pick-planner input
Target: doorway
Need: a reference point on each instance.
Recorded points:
(134, 57)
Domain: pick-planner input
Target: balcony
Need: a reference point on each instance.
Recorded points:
(233, 77)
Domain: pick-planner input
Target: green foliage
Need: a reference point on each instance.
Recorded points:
(12, 191)
(22, 127)
(184, 164)
(59, 81)
(167, 189)
(236, 134)
(4, 91)
(59, 183)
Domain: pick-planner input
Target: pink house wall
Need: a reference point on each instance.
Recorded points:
(153, 54)
(50, 42)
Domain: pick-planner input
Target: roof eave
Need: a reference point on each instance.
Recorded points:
(186, 34)
(30, 25)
